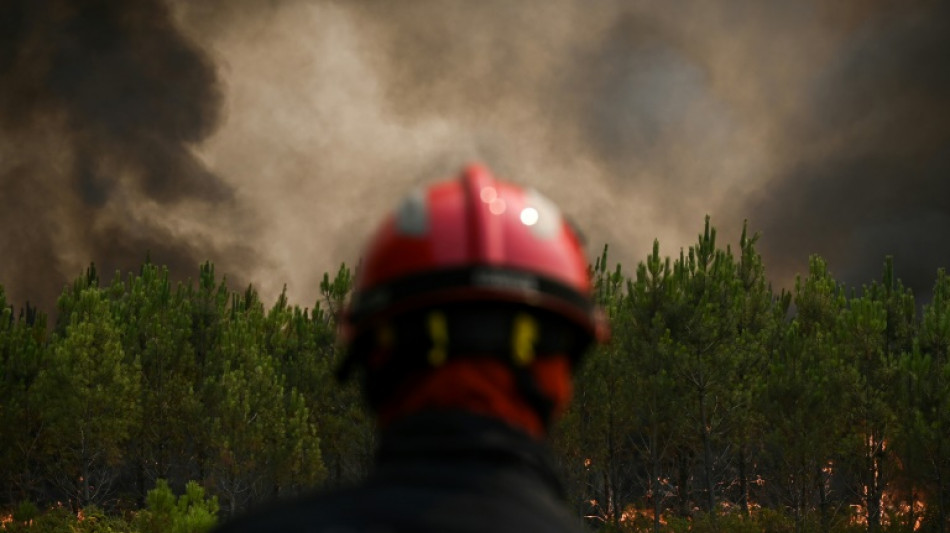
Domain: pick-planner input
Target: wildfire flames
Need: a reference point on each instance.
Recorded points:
(892, 507)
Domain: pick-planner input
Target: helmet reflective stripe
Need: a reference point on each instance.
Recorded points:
(412, 216)
(504, 279)
(541, 215)
(485, 207)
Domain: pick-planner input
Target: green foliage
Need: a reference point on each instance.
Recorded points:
(143, 379)
(26, 511)
(191, 512)
(55, 520)
(88, 393)
(718, 405)
(348, 438)
(716, 391)
(22, 355)
(156, 331)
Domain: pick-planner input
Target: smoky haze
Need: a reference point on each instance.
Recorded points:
(101, 106)
(870, 176)
(271, 136)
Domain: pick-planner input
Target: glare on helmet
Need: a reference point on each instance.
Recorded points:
(529, 216)
(497, 207)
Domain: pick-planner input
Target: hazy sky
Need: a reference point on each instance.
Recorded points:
(271, 136)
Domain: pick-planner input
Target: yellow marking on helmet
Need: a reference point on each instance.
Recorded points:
(524, 335)
(385, 336)
(439, 334)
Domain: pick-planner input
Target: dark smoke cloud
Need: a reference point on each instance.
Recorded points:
(871, 175)
(639, 118)
(649, 105)
(290, 126)
(616, 110)
(102, 103)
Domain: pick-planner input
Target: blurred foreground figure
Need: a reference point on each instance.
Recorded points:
(469, 314)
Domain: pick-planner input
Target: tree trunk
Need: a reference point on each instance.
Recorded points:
(874, 485)
(941, 503)
(824, 515)
(800, 503)
(707, 458)
(655, 488)
(682, 488)
(743, 483)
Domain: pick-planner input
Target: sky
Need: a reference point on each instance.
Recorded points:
(271, 136)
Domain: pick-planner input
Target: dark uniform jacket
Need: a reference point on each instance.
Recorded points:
(446, 472)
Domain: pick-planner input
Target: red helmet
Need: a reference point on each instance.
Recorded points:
(470, 242)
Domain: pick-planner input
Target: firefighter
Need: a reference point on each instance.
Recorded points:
(470, 312)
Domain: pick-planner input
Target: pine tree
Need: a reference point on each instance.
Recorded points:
(347, 429)
(23, 354)
(655, 310)
(88, 396)
(262, 439)
(876, 333)
(760, 318)
(809, 419)
(156, 333)
(596, 429)
(707, 275)
(924, 430)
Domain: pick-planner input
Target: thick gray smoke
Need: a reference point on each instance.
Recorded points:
(290, 126)
(870, 176)
(101, 104)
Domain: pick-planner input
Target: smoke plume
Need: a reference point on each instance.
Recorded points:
(101, 105)
(869, 176)
(272, 136)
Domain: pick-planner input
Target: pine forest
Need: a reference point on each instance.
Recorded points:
(720, 404)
